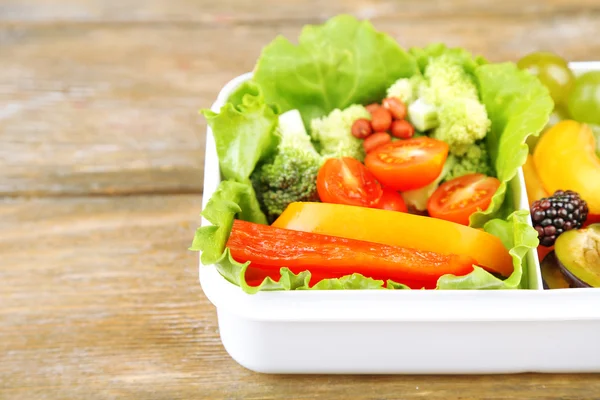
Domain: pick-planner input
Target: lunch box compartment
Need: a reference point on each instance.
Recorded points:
(407, 332)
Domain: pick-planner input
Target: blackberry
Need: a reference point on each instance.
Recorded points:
(561, 212)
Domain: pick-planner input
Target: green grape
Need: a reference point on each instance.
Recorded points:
(584, 101)
(553, 71)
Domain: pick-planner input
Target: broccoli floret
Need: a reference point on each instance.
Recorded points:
(450, 91)
(291, 175)
(463, 121)
(447, 80)
(333, 133)
(406, 89)
(475, 160)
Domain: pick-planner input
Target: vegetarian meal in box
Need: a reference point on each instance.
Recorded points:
(348, 162)
(563, 175)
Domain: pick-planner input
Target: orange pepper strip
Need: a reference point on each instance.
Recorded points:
(399, 229)
(275, 247)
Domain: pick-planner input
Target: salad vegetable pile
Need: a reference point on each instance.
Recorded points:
(348, 162)
(562, 174)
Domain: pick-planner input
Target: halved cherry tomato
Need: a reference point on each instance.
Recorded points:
(346, 181)
(457, 199)
(408, 164)
(392, 200)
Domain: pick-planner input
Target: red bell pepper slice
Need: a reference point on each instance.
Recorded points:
(255, 274)
(273, 248)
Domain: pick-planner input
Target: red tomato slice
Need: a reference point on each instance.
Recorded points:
(392, 200)
(457, 199)
(408, 164)
(346, 181)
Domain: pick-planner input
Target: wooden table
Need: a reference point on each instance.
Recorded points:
(101, 163)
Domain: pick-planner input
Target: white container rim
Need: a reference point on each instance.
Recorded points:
(390, 305)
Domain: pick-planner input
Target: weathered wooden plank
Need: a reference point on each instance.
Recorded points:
(100, 299)
(278, 12)
(118, 116)
(111, 108)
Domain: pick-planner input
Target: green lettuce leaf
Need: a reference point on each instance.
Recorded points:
(244, 132)
(231, 200)
(251, 90)
(334, 65)
(247, 89)
(518, 236)
(423, 55)
(234, 200)
(519, 106)
(349, 282)
(235, 273)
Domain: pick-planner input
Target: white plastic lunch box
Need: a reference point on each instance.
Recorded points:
(405, 332)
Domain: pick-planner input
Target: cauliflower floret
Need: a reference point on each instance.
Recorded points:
(462, 122)
(449, 102)
(406, 89)
(333, 133)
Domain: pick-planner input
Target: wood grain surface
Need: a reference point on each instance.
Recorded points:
(101, 161)
(103, 96)
(101, 300)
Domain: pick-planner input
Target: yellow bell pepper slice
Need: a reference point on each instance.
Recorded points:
(565, 159)
(398, 229)
(535, 188)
